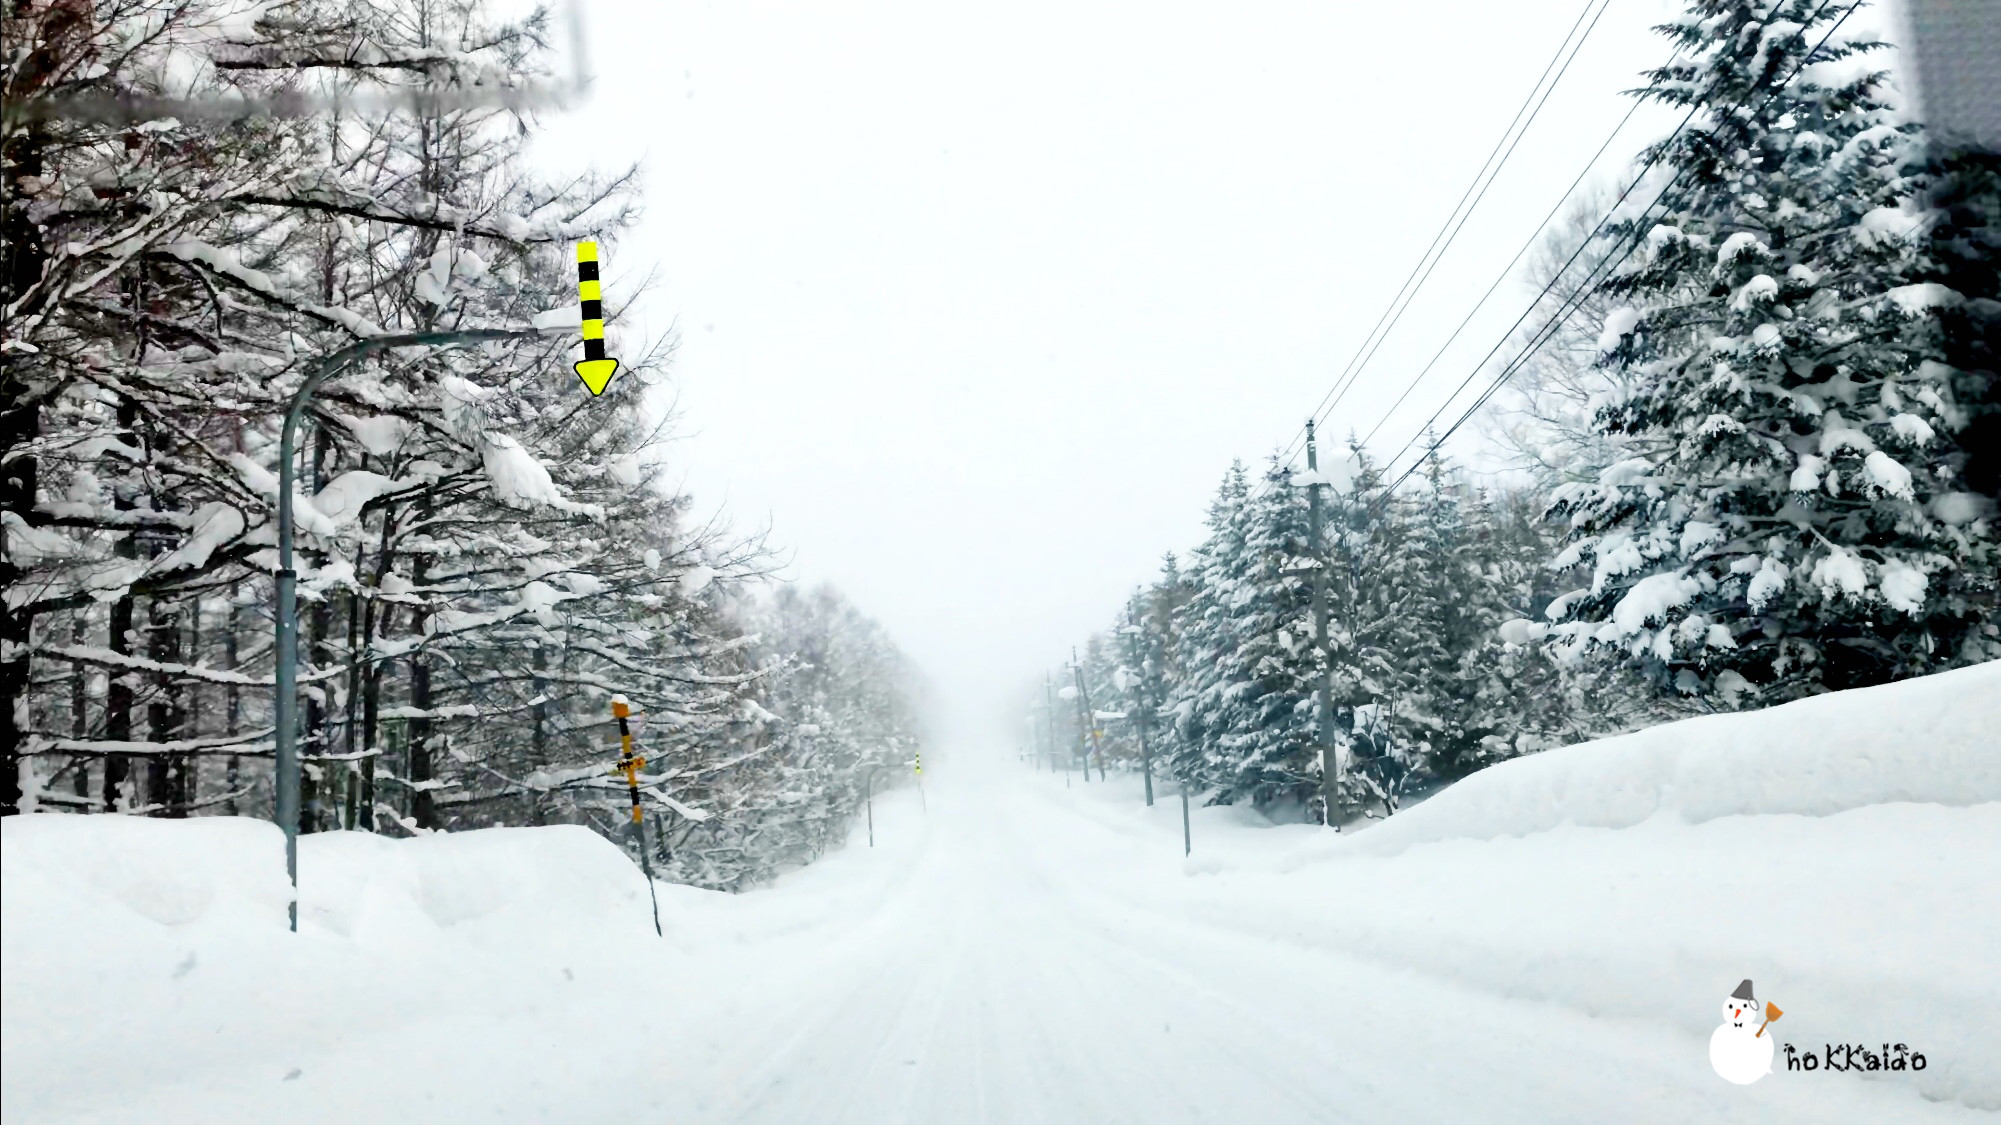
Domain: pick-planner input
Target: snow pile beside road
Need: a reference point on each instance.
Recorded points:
(1931, 740)
(162, 945)
(1842, 851)
(64, 877)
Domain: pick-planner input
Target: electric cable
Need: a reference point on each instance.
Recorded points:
(1293, 447)
(1328, 407)
(1591, 280)
(1506, 271)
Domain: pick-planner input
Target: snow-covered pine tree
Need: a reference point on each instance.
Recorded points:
(1245, 708)
(844, 707)
(1364, 604)
(1787, 514)
(1447, 616)
(1198, 694)
(1164, 622)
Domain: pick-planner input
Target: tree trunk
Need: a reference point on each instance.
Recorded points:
(79, 699)
(20, 426)
(163, 712)
(183, 775)
(539, 742)
(371, 712)
(232, 702)
(118, 693)
(312, 774)
(375, 618)
(422, 808)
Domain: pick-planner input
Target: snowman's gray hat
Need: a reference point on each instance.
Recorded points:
(1743, 992)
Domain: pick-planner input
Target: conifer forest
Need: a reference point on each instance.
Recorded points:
(1062, 561)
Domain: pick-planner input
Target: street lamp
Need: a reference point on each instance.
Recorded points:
(868, 790)
(286, 708)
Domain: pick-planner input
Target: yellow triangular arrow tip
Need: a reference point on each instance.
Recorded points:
(596, 373)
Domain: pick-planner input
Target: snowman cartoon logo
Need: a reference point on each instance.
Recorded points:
(1740, 1050)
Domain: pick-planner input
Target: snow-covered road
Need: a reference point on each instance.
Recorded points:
(1029, 962)
(1019, 951)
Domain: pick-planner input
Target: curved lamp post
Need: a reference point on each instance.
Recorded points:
(868, 798)
(286, 709)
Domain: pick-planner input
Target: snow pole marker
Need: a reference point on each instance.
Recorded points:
(595, 369)
(630, 764)
(917, 762)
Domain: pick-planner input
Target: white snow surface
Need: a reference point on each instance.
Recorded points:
(1651, 598)
(519, 480)
(1618, 323)
(1887, 475)
(381, 435)
(1545, 941)
(566, 316)
(343, 498)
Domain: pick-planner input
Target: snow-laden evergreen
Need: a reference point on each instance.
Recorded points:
(1765, 469)
(1786, 512)
(1426, 684)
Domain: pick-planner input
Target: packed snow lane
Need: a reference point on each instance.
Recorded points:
(1051, 958)
(1019, 951)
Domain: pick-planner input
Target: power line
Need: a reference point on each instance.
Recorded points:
(1328, 407)
(1590, 284)
(1506, 271)
(1293, 448)
(1592, 279)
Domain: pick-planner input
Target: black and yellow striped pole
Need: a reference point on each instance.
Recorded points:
(595, 369)
(630, 764)
(917, 763)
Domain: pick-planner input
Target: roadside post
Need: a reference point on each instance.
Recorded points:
(630, 764)
(1187, 842)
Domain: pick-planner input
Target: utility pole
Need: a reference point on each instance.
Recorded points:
(1330, 757)
(1187, 841)
(1145, 716)
(1049, 719)
(1090, 717)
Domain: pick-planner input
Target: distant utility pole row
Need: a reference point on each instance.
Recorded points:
(1315, 568)
(1089, 735)
(1330, 755)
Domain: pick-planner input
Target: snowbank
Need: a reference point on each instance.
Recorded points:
(1841, 851)
(1935, 740)
(163, 944)
(147, 973)
(65, 875)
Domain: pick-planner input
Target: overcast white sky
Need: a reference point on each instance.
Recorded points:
(977, 303)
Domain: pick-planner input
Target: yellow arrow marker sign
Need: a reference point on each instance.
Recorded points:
(595, 369)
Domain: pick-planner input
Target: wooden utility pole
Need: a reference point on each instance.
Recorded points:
(1330, 757)
(1049, 720)
(1144, 716)
(1090, 717)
